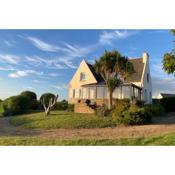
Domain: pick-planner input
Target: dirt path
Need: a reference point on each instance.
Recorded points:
(160, 125)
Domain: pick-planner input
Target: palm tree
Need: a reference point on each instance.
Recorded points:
(114, 68)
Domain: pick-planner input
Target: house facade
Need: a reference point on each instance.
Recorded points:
(87, 84)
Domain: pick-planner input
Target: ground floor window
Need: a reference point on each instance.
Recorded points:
(100, 93)
(75, 93)
(92, 93)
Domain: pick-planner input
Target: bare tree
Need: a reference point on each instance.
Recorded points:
(52, 102)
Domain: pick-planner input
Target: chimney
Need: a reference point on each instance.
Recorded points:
(145, 57)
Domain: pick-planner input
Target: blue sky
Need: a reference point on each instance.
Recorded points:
(45, 60)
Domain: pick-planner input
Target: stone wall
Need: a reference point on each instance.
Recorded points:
(83, 108)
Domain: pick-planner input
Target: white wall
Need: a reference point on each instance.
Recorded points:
(146, 86)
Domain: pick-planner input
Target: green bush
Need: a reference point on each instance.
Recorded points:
(154, 110)
(130, 115)
(16, 105)
(62, 105)
(102, 111)
(70, 107)
(33, 99)
(168, 104)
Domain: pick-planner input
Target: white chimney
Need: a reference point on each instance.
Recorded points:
(145, 57)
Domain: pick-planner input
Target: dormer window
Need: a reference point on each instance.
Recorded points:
(148, 78)
(82, 76)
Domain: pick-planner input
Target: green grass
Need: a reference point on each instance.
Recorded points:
(61, 119)
(168, 139)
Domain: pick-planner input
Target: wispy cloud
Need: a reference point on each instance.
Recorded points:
(47, 62)
(44, 46)
(54, 74)
(164, 85)
(107, 37)
(68, 63)
(7, 68)
(24, 73)
(60, 86)
(11, 59)
(36, 81)
(9, 43)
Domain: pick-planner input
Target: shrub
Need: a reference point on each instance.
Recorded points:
(154, 110)
(33, 99)
(168, 104)
(15, 105)
(130, 114)
(70, 107)
(62, 105)
(102, 111)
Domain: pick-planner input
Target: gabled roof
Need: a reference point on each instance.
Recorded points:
(138, 70)
(134, 77)
(167, 95)
(97, 76)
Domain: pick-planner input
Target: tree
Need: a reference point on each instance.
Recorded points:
(16, 105)
(48, 100)
(32, 97)
(169, 59)
(114, 68)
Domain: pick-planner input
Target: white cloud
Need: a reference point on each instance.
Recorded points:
(54, 74)
(60, 86)
(36, 81)
(18, 74)
(9, 43)
(164, 85)
(68, 63)
(7, 58)
(21, 73)
(42, 45)
(9, 68)
(106, 37)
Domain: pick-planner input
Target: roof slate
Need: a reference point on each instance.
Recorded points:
(134, 77)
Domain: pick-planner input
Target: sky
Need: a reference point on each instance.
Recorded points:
(45, 60)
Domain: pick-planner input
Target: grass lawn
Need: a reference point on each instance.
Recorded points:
(168, 139)
(61, 119)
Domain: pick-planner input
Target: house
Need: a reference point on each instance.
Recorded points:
(87, 84)
(164, 95)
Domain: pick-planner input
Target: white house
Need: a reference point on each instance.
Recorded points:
(87, 84)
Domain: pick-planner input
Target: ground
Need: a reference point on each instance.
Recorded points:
(161, 129)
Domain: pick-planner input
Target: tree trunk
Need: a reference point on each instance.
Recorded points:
(110, 100)
(47, 112)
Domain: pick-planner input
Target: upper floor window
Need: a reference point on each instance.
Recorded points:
(82, 76)
(148, 78)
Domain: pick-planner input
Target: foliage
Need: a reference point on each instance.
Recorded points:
(114, 68)
(70, 108)
(15, 105)
(130, 115)
(154, 110)
(61, 105)
(46, 97)
(168, 104)
(169, 60)
(102, 111)
(60, 119)
(32, 97)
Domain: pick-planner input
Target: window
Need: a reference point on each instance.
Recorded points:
(150, 96)
(100, 92)
(82, 76)
(145, 95)
(75, 93)
(148, 78)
